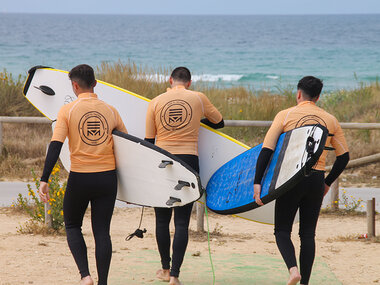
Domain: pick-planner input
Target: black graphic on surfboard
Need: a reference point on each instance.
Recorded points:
(69, 99)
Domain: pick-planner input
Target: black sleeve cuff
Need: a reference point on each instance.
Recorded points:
(262, 163)
(338, 167)
(51, 159)
(212, 125)
(152, 141)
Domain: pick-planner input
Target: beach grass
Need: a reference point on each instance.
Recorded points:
(12, 102)
(24, 148)
(25, 145)
(354, 237)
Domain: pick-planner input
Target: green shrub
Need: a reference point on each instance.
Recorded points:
(36, 209)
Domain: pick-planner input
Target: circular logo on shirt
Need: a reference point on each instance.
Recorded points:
(93, 128)
(176, 114)
(310, 120)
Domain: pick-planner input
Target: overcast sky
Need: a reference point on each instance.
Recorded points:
(193, 7)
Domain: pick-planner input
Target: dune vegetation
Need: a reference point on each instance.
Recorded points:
(24, 145)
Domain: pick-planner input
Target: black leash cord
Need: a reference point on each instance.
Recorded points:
(139, 232)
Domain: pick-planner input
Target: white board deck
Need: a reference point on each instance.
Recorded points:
(141, 181)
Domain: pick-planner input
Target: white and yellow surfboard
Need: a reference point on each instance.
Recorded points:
(48, 89)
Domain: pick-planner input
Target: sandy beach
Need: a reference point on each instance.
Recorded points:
(243, 253)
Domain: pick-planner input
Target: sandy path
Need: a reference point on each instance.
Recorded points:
(36, 259)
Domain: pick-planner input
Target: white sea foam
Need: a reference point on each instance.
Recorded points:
(153, 77)
(195, 78)
(217, 77)
(272, 76)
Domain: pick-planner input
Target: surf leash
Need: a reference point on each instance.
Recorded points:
(309, 151)
(139, 232)
(209, 247)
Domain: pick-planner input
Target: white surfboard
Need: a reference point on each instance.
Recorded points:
(215, 148)
(167, 181)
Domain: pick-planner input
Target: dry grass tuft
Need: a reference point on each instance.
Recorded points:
(24, 149)
(12, 101)
(216, 235)
(354, 237)
(133, 78)
(341, 212)
(35, 228)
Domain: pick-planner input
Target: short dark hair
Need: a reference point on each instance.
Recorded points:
(181, 74)
(84, 75)
(310, 86)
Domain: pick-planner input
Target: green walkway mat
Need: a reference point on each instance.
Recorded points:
(237, 269)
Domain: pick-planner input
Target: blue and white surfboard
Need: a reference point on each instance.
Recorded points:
(230, 189)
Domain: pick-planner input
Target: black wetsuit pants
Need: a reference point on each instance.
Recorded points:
(100, 189)
(181, 223)
(306, 196)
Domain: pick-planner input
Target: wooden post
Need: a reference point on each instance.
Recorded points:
(334, 192)
(200, 217)
(371, 218)
(1, 138)
(48, 217)
(360, 161)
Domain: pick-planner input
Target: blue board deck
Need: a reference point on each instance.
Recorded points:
(230, 189)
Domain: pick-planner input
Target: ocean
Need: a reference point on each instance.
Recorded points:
(260, 52)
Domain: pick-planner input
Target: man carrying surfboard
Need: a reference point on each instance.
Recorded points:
(88, 123)
(307, 195)
(172, 122)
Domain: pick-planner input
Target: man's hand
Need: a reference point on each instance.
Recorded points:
(256, 194)
(44, 192)
(327, 188)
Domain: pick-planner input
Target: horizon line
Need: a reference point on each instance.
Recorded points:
(175, 14)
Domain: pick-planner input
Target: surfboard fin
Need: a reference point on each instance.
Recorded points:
(165, 163)
(172, 200)
(181, 184)
(45, 89)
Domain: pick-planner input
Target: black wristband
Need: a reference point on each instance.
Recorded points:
(152, 141)
(207, 122)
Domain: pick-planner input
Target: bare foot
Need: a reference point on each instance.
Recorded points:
(174, 281)
(294, 276)
(86, 281)
(163, 274)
